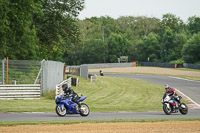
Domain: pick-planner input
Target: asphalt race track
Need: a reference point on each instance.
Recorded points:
(40, 116)
(190, 88)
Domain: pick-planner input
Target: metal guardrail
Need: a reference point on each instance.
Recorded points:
(155, 64)
(169, 65)
(110, 65)
(22, 91)
(191, 66)
(81, 71)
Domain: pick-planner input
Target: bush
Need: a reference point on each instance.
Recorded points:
(179, 61)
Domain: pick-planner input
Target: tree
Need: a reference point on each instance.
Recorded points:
(175, 52)
(191, 50)
(18, 35)
(194, 24)
(117, 46)
(94, 52)
(149, 48)
(171, 27)
(173, 22)
(56, 26)
(134, 28)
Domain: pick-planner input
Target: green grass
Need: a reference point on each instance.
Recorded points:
(105, 95)
(186, 69)
(121, 94)
(40, 105)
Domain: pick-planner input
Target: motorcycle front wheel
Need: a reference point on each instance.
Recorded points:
(183, 109)
(61, 110)
(84, 110)
(167, 109)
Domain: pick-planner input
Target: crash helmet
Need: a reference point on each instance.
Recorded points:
(167, 87)
(64, 87)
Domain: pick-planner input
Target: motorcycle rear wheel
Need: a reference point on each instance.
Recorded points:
(167, 110)
(183, 111)
(84, 110)
(61, 112)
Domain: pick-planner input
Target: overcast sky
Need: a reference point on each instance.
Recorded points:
(149, 8)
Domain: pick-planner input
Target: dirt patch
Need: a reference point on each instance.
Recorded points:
(126, 127)
(150, 70)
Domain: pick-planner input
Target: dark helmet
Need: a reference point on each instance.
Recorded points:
(64, 86)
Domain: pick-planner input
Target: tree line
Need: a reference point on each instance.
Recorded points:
(50, 29)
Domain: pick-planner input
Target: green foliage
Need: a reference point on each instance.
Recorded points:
(49, 29)
(139, 38)
(150, 48)
(95, 51)
(179, 61)
(57, 26)
(117, 46)
(34, 29)
(18, 35)
(198, 63)
(191, 50)
(194, 24)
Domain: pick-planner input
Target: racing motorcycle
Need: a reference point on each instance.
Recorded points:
(172, 105)
(65, 105)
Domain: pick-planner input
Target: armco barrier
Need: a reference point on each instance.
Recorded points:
(167, 65)
(110, 65)
(191, 66)
(81, 70)
(21, 91)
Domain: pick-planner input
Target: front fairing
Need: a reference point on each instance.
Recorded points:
(59, 99)
(167, 99)
(68, 103)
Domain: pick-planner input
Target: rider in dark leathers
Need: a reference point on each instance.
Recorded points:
(70, 92)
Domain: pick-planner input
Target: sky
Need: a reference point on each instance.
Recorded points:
(149, 8)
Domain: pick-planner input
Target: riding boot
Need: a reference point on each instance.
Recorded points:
(79, 105)
(174, 109)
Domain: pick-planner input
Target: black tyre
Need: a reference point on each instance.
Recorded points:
(84, 110)
(61, 112)
(167, 109)
(183, 109)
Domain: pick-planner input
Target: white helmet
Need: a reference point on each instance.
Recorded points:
(167, 87)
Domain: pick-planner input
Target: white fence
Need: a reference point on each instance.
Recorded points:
(59, 90)
(22, 91)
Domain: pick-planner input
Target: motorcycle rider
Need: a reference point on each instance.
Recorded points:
(171, 92)
(101, 73)
(70, 92)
